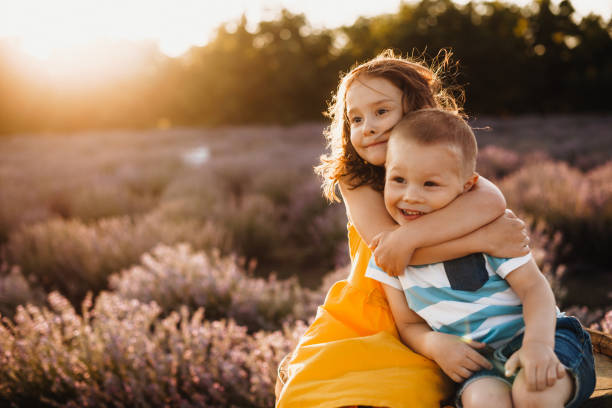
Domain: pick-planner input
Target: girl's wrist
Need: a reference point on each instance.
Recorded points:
(409, 240)
(474, 243)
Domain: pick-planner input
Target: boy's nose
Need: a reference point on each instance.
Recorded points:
(412, 195)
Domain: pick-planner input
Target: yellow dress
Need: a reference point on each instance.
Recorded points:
(352, 355)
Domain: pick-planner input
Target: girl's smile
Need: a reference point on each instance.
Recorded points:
(377, 143)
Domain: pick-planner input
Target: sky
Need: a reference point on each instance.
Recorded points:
(43, 27)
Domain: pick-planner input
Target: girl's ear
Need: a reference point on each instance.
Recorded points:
(470, 182)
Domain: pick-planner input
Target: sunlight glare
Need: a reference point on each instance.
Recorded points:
(42, 28)
(78, 42)
(36, 49)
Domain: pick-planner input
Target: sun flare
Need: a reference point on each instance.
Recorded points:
(44, 28)
(77, 41)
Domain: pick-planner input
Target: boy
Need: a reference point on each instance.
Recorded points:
(504, 308)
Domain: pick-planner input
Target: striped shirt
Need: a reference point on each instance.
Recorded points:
(467, 297)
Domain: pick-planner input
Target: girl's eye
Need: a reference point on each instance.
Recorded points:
(430, 184)
(382, 111)
(398, 179)
(355, 119)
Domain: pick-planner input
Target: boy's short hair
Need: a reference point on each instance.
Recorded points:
(435, 126)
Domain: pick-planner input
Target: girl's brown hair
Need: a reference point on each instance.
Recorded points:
(422, 88)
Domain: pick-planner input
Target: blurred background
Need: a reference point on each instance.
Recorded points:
(156, 158)
(71, 65)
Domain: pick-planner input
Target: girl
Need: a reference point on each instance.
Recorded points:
(351, 353)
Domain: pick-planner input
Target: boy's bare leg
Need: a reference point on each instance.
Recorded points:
(487, 392)
(555, 396)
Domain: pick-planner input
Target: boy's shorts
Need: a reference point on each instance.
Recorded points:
(572, 347)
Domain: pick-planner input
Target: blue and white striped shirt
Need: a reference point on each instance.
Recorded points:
(467, 297)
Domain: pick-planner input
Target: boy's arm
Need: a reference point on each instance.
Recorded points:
(454, 356)
(536, 356)
(366, 210)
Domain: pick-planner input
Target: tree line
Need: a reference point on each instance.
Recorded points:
(510, 60)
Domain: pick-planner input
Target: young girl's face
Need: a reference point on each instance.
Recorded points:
(374, 105)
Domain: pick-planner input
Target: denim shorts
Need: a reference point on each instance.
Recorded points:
(572, 347)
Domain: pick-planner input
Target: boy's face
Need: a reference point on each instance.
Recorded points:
(373, 106)
(422, 178)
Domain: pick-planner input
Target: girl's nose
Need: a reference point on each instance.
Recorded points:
(369, 127)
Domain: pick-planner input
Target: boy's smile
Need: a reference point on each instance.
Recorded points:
(409, 214)
(422, 178)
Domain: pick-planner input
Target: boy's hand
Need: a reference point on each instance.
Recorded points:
(391, 261)
(457, 357)
(541, 366)
(505, 237)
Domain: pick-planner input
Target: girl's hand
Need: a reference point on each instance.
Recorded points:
(505, 237)
(391, 261)
(457, 357)
(541, 366)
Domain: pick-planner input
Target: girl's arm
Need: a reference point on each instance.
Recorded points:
(366, 210)
(505, 237)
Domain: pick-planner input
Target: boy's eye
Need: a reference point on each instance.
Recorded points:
(398, 179)
(430, 184)
(382, 111)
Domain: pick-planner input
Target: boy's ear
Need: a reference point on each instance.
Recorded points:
(470, 182)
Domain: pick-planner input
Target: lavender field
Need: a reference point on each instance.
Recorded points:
(178, 266)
